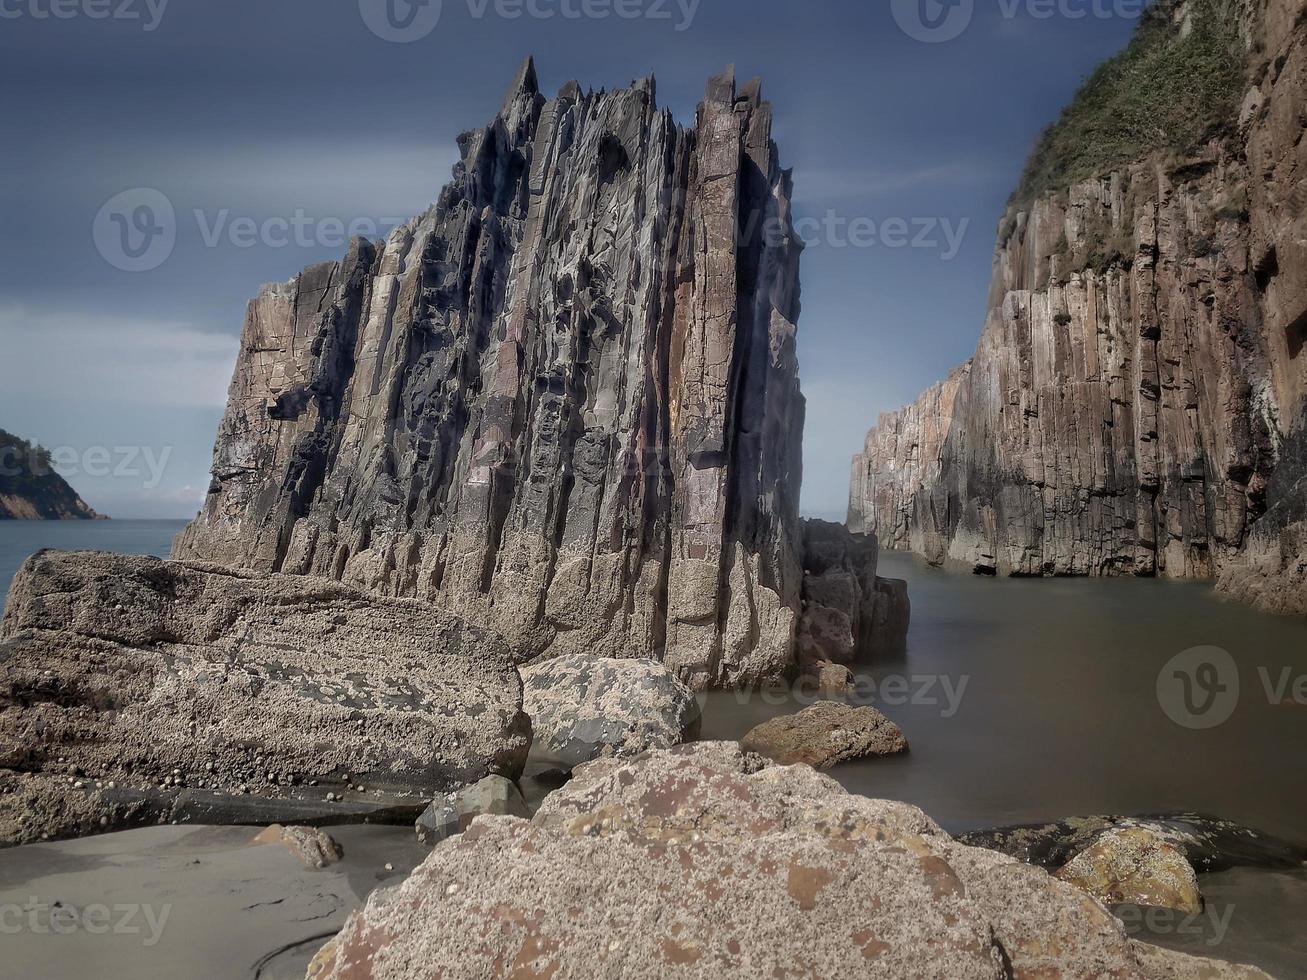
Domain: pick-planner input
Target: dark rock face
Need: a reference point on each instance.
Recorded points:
(30, 489)
(167, 690)
(1138, 386)
(849, 613)
(563, 403)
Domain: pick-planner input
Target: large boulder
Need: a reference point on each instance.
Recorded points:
(1135, 867)
(584, 707)
(140, 683)
(826, 734)
(705, 861)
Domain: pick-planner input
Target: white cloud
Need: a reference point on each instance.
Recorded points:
(111, 361)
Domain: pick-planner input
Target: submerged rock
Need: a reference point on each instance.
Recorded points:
(826, 734)
(158, 686)
(706, 862)
(1208, 843)
(452, 813)
(314, 848)
(1134, 866)
(584, 707)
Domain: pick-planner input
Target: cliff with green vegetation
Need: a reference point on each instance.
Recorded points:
(1136, 404)
(30, 489)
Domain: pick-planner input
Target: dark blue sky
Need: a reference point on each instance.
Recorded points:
(260, 109)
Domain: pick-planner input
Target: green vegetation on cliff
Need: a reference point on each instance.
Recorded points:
(30, 489)
(1178, 83)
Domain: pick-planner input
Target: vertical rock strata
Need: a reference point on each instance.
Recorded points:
(1136, 403)
(564, 402)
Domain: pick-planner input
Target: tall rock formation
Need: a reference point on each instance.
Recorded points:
(563, 403)
(1136, 403)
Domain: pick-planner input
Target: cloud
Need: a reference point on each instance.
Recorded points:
(108, 361)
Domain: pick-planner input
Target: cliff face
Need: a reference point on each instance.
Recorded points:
(1134, 403)
(564, 402)
(30, 489)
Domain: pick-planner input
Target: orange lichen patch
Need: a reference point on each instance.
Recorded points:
(944, 883)
(805, 884)
(679, 954)
(528, 963)
(871, 946)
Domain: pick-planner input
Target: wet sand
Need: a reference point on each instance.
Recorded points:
(177, 902)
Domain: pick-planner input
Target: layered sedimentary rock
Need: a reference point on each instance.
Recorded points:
(31, 490)
(127, 683)
(707, 862)
(564, 402)
(1136, 403)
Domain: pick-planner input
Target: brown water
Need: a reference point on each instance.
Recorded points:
(1059, 712)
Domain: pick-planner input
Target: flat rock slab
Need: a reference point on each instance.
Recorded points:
(826, 734)
(707, 862)
(584, 707)
(161, 676)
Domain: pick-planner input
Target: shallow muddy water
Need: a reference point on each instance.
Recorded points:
(1032, 700)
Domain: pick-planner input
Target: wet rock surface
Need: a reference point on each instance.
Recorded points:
(705, 861)
(1133, 866)
(1136, 402)
(1208, 843)
(452, 813)
(134, 690)
(584, 707)
(825, 735)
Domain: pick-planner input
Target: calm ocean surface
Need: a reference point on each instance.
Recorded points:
(19, 539)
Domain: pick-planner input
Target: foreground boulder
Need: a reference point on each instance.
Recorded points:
(705, 861)
(135, 690)
(1135, 867)
(584, 707)
(826, 734)
(452, 813)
